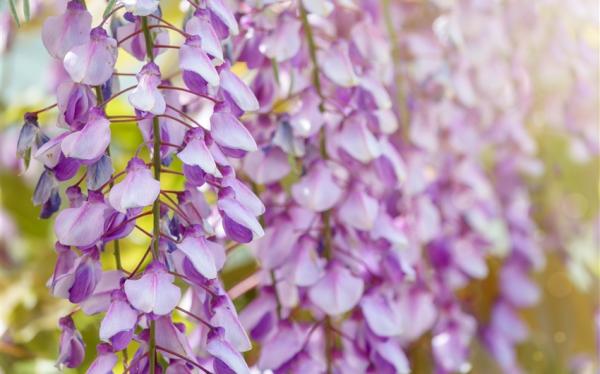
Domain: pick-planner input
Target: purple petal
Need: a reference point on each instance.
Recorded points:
(120, 317)
(229, 132)
(81, 226)
(317, 190)
(210, 41)
(337, 292)
(139, 188)
(86, 277)
(153, 292)
(93, 62)
(359, 210)
(91, 141)
(193, 58)
(200, 255)
(219, 348)
(240, 93)
(61, 33)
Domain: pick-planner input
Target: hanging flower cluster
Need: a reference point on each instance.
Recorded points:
(382, 146)
(189, 233)
(339, 287)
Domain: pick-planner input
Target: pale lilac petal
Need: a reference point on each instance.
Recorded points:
(141, 7)
(100, 299)
(82, 226)
(336, 65)
(91, 141)
(356, 139)
(61, 33)
(382, 314)
(239, 91)
(71, 347)
(308, 267)
(139, 188)
(517, 287)
(154, 292)
(281, 236)
(337, 292)
(226, 317)
(267, 166)
(197, 153)
(391, 351)
(229, 132)
(359, 210)
(221, 10)
(320, 7)
(281, 347)
(193, 58)
(385, 227)
(93, 62)
(469, 259)
(506, 321)
(374, 87)
(170, 337)
(146, 96)
(210, 41)
(238, 213)
(449, 350)
(255, 312)
(200, 255)
(49, 153)
(104, 363)
(387, 121)
(218, 347)
(120, 317)
(244, 195)
(284, 41)
(317, 190)
(419, 314)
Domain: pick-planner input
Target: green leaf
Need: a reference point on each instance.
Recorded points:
(13, 11)
(26, 9)
(109, 8)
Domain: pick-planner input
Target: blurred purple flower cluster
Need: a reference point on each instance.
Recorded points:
(382, 146)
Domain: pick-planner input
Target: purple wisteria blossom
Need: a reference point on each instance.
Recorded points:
(372, 156)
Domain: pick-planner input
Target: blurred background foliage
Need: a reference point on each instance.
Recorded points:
(562, 325)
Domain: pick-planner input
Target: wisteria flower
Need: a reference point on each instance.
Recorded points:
(154, 292)
(139, 188)
(92, 62)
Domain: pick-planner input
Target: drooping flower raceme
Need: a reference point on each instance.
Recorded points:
(342, 146)
(186, 244)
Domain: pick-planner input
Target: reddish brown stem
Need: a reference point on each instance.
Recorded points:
(44, 109)
(144, 231)
(195, 317)
(140, 263)
(116, 95)
(211, 292)
(183, 114)
(141, 31)
(194, 363)
(189, 92)
(168, 171)
(166, 46)
(176, 120)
